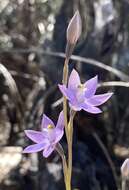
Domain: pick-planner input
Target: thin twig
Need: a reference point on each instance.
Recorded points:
(107, 156)
(99, 64)
(123, 184)
(114, 83)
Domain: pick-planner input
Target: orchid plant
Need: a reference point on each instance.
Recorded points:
(79, 96)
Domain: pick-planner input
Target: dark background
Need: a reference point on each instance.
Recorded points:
(32, 35)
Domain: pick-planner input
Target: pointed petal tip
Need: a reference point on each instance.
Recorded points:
(46, 121)
(60, 123)
(44, 115)
(60, 85)
(109, 95)
(91, 109)
(61, 114)
(63, 90)
(100, 111)
(27, 132)
(74, 80)
(25, 151)
(91, 86)
(95, 78)
(74, 71)
(77, 15)
(77, 12)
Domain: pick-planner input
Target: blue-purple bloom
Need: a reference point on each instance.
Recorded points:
(46, 139)
(82, 96)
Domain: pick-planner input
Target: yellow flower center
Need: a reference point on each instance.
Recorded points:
(81, 86)
(81, 93)
(50, 127)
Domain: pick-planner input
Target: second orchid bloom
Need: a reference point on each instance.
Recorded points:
(46, 139)
(82, 96)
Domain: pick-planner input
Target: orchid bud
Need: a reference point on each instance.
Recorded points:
(74, 29)
(125, 169)
(73, 33)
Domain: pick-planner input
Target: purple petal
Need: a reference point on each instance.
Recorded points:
(91, 86)
(47, 151)
(91, 109)
(35, 147)
(35, 136)
(59, 134)
(60, 122)
(64, 90)
(74, 80)
(51, 135)
(46, 121)
(75, 107)
(68, 93)
(97, 100)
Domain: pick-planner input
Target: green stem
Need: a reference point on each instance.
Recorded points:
(65, 79)
(70, 142)
(68, 128)
(60, 150)
(123, 184)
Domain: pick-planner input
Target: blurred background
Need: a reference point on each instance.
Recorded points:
(32, 42)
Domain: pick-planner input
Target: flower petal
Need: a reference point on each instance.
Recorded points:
(97, 100)
(35, 147)
(60, 122)
(51, 135)
(47, 151)
(91, 86)
(75, 107)
(91, 109)
(74, 80)
(35, 136)
(46, 121)
(68, 93)
(58, 134)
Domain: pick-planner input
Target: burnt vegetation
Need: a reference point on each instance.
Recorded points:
(32, 37)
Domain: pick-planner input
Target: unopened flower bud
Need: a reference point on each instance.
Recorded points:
(74, 29)
(73, 33)
(125, 169)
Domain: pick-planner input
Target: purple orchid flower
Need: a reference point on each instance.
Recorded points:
(47, 139)
(82, 96)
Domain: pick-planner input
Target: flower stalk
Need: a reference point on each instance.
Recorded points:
(64, 81)
(60, 151)
(80, 97)
(67, 166)
(123, 186)
(70, 142)
(73, 33)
